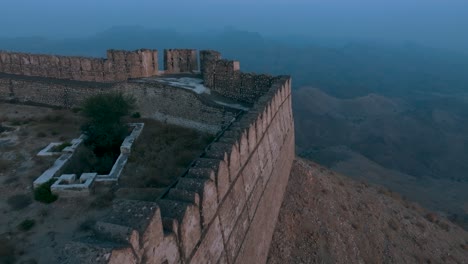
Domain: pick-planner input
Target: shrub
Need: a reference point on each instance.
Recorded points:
(26, 224)
(44, 194)
(19, 201)
(136, 115)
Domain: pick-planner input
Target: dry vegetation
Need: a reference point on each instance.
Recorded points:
(162, 153)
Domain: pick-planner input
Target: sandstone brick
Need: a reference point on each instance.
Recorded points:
(251, 173)
(211, 247)
(244, 147)
(180, 60)
(232, 207)
(188, 216)
(222, 179)
(223, 259)
(154, 234)
(252, 137)
(255, 196)
(206, 189)
(124, 255)
(237, 235)
(234, 162)
(166, 251)
(147, 63)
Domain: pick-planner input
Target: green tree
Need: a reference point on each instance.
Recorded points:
(104, 127)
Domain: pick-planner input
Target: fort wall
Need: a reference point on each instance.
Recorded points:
(120, 65)
(223, 210)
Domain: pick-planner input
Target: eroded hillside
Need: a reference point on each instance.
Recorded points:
(328, 218)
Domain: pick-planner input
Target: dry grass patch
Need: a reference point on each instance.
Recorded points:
(162, 153)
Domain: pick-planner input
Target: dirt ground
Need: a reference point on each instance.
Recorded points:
(30, 230)
(160, 155)
(329, 218)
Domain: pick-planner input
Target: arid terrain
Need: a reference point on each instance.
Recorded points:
(416, 147)
(329, 218)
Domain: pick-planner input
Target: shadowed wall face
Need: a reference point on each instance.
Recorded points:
(180, 61)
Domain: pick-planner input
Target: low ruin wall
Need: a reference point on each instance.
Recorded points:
(156, 100)
(223, 210)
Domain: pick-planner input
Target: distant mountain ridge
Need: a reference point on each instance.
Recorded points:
(343, 70)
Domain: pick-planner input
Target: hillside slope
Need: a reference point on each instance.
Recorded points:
(328, 218)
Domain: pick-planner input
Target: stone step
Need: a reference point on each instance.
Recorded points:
(112, 232)
(184, 195)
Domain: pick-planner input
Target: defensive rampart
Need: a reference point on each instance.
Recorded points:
(224, 208)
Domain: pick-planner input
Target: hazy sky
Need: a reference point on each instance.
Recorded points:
(439, 23)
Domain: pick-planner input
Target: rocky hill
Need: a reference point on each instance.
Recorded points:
(328, 218)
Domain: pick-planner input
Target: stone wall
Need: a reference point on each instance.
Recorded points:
(120, 65)
(155, 100)
(224, 77)
(223, 210)
(180, 61)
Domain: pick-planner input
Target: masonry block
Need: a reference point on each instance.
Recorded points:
(180, 60)
(221, 172)
(237, 235)
(206, 189)
(123, 255)
(232, 206)
(167, 251)
(212, 246)
(252, 137)
(255, 196)
(188, 216)
(244, 147)
(251, 173)
(147, 63)
(234, 162)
